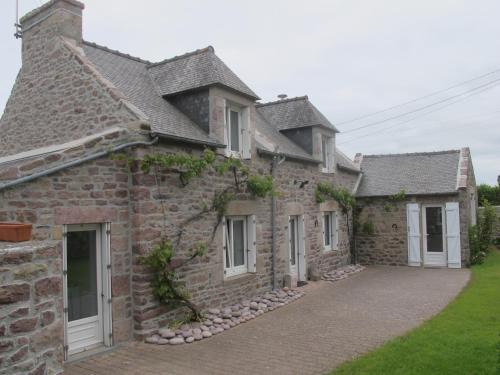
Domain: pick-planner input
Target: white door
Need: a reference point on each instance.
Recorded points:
(293, 247)
(434, 244)
(86, 291)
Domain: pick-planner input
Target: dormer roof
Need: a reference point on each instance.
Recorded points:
(294, 113)
(194, 70)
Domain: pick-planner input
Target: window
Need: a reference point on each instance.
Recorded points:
(327, 153)
(330, 235)
(239, 245)
(233, 129)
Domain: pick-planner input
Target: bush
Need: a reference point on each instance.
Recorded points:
(489, 193)
(481, 235)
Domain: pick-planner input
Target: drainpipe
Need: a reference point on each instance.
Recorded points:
(73, 163)
(277, 160)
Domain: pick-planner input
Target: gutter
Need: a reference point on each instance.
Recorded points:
(261, 151)
(186, 140)
(73, 163)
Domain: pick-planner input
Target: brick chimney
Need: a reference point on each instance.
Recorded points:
(55, 18)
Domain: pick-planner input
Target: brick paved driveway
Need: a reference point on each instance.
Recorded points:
(331, 324)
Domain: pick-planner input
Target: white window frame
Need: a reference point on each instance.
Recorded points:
(327, 161)
(333, 227)
(230, 107)
(230, 270)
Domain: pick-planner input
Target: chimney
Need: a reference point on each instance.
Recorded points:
(55, 18)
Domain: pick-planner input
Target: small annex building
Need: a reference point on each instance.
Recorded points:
(416, 208)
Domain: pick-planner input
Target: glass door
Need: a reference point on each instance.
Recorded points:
(83, 286)
(434, 240)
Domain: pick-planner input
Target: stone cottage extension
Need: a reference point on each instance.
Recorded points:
(416, 208)
(74, 105)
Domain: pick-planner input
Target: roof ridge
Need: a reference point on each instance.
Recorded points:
(183, 56)
(413, 154)
(303, 97)
(116, 52)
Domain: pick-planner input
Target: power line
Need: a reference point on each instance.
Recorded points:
(423, 107)
(419, 98)
(420, 115)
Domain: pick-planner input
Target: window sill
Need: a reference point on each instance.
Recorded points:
(242, 277)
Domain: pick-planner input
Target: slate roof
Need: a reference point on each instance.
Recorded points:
(417, 173)
(201, 68)
(131, 76)
(294, 113)
(269, 139)
(343, 161)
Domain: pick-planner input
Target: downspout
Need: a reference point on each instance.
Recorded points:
(277, 160)
(73, 163)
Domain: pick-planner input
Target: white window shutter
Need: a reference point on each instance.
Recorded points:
(335, 230)
(252, 243)
(413, 220)
(453, 235)
(224, 243)
(302, 249)
(246, 138)
(226, 126)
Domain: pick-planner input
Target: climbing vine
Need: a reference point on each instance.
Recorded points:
(167, 287)
(347, 203)
(394, 199)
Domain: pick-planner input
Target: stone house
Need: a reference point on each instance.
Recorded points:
(416, 209)
(78, 285)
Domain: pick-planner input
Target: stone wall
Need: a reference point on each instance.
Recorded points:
(388, 245)
(54, 75)
(95, 192)
(31, 308)
(205, 277)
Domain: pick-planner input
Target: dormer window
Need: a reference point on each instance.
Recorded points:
(327, 154)
(236, 134)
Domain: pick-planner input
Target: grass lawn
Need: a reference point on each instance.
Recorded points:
(463, 339)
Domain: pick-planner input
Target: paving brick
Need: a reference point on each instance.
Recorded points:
(331, 324)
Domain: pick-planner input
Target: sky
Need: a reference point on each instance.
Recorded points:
(351, 57)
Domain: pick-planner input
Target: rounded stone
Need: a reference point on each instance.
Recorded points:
(189, 340)
(207, 334)
(217, 320)
(236, 313)
(166, 333)
(198, 336)
(176, 341)
(187, 333)
(204, 327)
(226, 326)
(163, 341)
(196, 331)
(152, 340)
(208, 323)
(214, 311)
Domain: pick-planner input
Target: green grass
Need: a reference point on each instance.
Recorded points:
(463, 339)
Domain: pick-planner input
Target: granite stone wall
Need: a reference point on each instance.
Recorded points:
(388, 245)
(31, 308)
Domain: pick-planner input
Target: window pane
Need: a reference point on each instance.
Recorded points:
(324, 151)
(293, 242)
(434, 228)
(82, 275)
(235, 131)
(327, 230)
(239, 242)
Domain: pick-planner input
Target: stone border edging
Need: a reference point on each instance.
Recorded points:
(342, 273)
(220, 320)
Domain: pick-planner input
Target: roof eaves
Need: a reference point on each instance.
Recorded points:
(263, 151)
(187, 140)
(183, 56)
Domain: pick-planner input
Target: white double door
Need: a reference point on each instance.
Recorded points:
(296, 247)
(87, 295)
